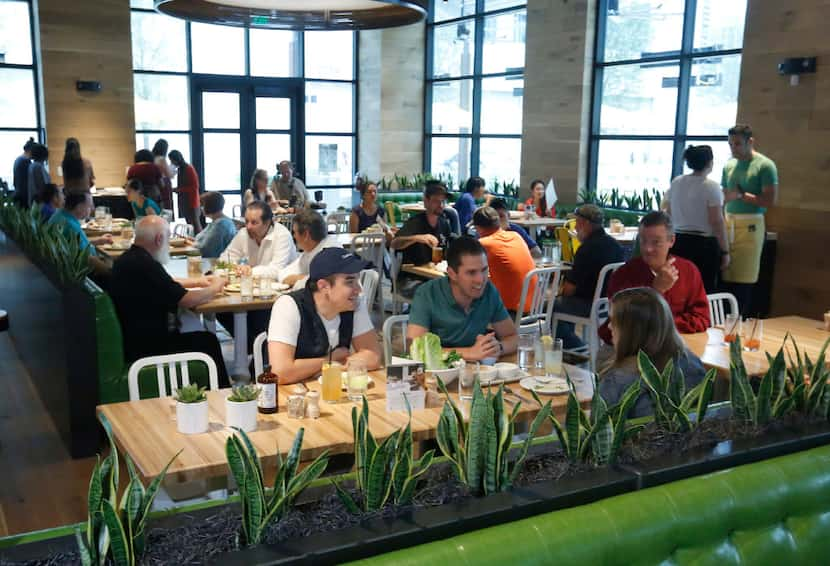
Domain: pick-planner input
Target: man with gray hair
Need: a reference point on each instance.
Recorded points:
(147, 299)
(289, 189)
(311, 236)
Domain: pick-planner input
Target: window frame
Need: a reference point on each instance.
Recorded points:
(685, 58)
(475, 136)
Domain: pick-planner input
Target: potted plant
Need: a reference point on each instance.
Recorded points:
(241, 407)
(191, 409)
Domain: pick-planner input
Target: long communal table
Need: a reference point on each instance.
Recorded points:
(146, 429)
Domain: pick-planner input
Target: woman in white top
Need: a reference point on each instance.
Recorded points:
(695, 204)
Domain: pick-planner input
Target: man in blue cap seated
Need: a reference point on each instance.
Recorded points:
(325, 320)
(460, 307)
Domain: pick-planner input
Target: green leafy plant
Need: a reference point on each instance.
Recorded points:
(596, 435)
(259, 507)
(648, 200)
(587, 196)
(478, 449)
(190, 394)
(384, 470)
(672, 403)
(658, 198)
(771, 400)
(808, 381)
(616, 200)
(633, 202)
(115, 527)
(244, 393)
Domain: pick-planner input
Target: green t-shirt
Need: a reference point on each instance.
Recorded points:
(435, 309)
(751, 176)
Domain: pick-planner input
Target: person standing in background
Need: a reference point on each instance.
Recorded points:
(167, 173)
(38, 175)
(76, 183)
(21, 171)
(750, 186)
(147, 172)
(695, 204)
(187, 187)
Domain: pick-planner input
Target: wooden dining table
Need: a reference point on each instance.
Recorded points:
(146, 429)
(809, 335)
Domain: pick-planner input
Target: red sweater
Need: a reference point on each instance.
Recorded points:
(687, 297)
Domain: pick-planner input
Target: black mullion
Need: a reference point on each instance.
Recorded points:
(17, 66)
(247, 42)
(480, 12)
(267, 131)
(355, 99)
(673, 56)
(428, 95)
(478, 49)
(512, 73)
(683, 86)
(667, 137)
(35, 67)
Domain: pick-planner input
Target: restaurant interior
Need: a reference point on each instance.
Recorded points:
(500, 448)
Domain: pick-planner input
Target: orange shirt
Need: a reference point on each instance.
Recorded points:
(509, 261)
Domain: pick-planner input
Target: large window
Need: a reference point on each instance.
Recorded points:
(475, 81)
(173, 59)
(19, 108)
(666, 75)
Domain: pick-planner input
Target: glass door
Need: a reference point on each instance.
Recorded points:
(241, 125)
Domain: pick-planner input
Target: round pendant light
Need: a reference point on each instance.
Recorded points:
(299, 14)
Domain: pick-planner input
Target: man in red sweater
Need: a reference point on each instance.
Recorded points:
(676, 278)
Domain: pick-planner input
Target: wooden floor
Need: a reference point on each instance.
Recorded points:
(41, 485)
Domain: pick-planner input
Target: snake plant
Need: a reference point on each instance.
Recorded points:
(772, 399)
(115, 527)
(672, 403)
(596, 435)
(260, 508)
(384, 470)
(478, 448)
(808, 381)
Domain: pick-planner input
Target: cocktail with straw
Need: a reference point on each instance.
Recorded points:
(753, 332)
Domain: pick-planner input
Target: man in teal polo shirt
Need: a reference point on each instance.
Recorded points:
(750, 186)
(460, 307)
(75, 207)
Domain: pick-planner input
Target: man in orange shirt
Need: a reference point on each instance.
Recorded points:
(508, 258)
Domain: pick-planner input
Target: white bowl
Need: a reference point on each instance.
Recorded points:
(486, 374)
(507, 370)
(447, 375)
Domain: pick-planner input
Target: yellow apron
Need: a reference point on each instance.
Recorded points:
(746, 241)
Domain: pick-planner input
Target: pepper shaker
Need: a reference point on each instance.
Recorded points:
(312, 404)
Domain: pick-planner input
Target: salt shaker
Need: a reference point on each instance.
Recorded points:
(312, 404)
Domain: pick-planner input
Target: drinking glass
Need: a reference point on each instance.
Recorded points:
(194, 266)
(358, 381)
(753, 333)
(107, 222)
(539, 350)
(246, 287)
(466, 381)
(553, 359)
(437, 255)
(731, 328)
(526, 346)
(100, 213)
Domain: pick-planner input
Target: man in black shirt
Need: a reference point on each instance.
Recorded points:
(597, 250)
(424, 231)
(147, 299)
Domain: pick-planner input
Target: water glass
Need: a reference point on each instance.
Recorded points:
(246, 287)
(553, 359)
(194, 266)
(107, 222)
(100, 213)
(753, 333)
(358, 380)
(467, 377)
(525, 353)
(539, 349)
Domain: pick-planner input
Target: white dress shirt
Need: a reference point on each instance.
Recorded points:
(269, 258)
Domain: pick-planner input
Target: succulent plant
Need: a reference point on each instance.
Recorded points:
(190, 394)
(244, 393)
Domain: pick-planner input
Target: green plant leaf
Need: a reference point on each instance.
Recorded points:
(476, 441)
(379, 484)
(764, 400)
(347, 500)
(544, 414)
(119, 544)
(83, 549)
(572, 426)
(447, 436)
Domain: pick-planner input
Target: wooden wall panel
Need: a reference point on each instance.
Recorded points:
(89, 40)
(792, 126)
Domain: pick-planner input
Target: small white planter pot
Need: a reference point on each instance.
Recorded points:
(241, 415)
(192, 418)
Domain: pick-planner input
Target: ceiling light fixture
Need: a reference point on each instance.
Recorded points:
(298, 14)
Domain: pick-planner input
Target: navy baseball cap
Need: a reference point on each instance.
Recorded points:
(331, 261)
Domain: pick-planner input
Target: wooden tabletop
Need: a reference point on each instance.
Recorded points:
(538, 221)
(428, 270)
(146, 429)
(809, 335)
(175, 251)
(627, 236)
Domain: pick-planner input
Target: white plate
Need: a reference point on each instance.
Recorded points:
(343, 378)
(556, 386)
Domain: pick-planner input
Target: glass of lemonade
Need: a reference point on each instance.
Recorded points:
(332, 381)
(553, 359)
(358, 380)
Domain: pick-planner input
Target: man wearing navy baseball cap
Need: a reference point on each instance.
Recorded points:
(326, 318)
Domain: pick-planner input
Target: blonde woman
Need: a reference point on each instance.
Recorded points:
(640, 319)
(258, 190)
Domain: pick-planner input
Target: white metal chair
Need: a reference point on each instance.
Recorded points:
(717, 313)
(586, 323)
(259, 363)
(236, 211)
(599, 314)
(401, 320)
(171, 360)
(286, 220)
(541, 302)
(372, 247)
(395, 262)
(337, 223)
(369, 282)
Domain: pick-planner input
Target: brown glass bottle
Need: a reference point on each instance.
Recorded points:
(269, 396)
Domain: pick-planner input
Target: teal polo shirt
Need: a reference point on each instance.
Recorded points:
(435, 308)
(71, 228)
(752, 175)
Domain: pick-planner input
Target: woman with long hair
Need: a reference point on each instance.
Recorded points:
(187, 187)
(641, 320)
(258, 189)
(146, 171)
(695, 204)
(537, 202)
(73, 182)
(367, 213)
(143, 205)
(166, 186)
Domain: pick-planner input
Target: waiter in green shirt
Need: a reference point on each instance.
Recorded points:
(750, 186)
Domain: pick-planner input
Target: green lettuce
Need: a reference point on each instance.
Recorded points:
(427, 349)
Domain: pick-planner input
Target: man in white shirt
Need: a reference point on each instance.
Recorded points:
(325, 320)
(268, 246)
(310, 234)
